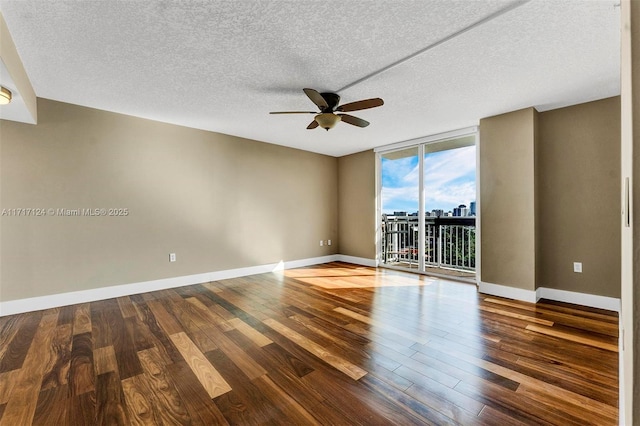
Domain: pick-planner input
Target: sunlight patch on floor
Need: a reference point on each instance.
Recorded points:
(336, 278)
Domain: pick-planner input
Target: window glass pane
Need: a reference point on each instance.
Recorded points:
(450, 205)
(400, 205)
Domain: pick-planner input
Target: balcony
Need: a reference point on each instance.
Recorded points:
(450, 244)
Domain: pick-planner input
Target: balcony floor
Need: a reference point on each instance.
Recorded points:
(467, 276)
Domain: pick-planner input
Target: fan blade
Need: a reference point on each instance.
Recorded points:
(316, 98)
(355, 121)
(293, 112)
(312, 125)
(358, 105)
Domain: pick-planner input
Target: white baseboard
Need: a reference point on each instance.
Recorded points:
(12, 307)
(357, 260)
(591, 300)
(508, 292)
(584, 299)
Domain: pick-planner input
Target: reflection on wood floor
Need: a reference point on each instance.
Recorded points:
(330, 344)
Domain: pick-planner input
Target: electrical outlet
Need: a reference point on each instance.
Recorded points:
(321, 243)
(328, 242)
(172, 257)
(577, 267)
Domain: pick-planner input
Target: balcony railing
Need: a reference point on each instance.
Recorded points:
(450, 242)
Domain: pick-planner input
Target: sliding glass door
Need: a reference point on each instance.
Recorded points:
(428, 206)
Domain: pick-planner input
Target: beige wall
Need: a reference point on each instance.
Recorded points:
(356, 205)
(222, 202)
(549, 197)
(507, 195)
(218, 202)
(578, 169)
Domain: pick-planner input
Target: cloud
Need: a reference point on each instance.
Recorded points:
(403, 198)
(449, 180)
(401, 172)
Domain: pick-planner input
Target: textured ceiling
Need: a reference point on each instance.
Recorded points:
(223, 65)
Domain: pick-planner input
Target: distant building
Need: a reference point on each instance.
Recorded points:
(399, 213)
(472, 208)
(437, 212)
(460, 210)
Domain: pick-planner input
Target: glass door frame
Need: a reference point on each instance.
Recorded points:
(420, 143)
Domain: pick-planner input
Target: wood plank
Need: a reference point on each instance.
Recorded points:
(212, 287)
(441, 398)
(253, 334)
(461, 369)
(66, 315)
(492, 417)
(81, 375)
(127, 309)
(169, 403)
(19, 345)
(203, 341)
(58, 361)
(8, 381)
(82, 319)
(22, 402)
(381, 325)
(516, 315)
(156, 335)
(520, 407)
(414, 411)
(244, 404)
(291, 408)
(244, 362)
(583, 311)
(100, 329)
(201, 408)
(51, 408)
(8, 331)
(589, 385)
(82, 409)
(122, 342)
(568, 396)
(140, 401)
(139, 333)
(337, 362)
(549, 331)
(168, 323)
(573, 319)
(104, 360)
(579, 411)
(210, 316)
(208, 376)
(111, 405)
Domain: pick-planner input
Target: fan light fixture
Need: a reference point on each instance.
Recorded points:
(5, 96)
(327, 120)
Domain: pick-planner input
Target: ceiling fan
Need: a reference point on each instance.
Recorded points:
(328, 104)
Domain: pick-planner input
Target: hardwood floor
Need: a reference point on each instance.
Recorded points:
(329, 344)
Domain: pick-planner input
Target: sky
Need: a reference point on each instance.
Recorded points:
(450, 180)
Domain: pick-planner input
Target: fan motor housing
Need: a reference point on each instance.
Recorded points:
(332, 99)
